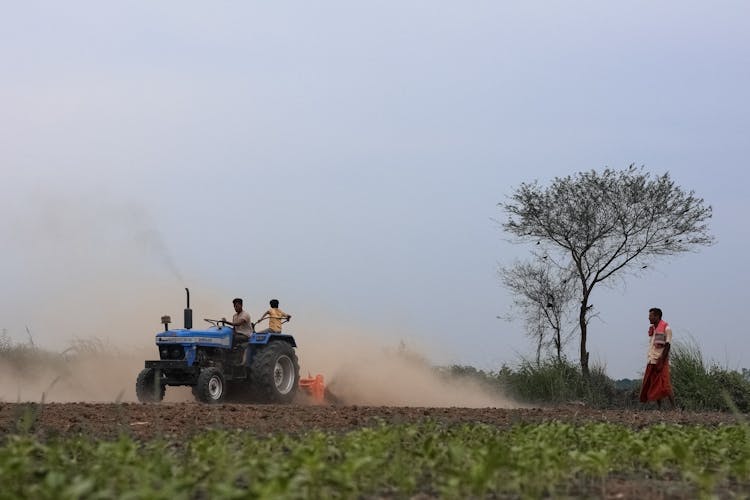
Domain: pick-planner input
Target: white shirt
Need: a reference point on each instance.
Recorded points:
(241, 322)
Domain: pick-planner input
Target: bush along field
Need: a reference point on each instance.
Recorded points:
(698, 385)
(397, 461)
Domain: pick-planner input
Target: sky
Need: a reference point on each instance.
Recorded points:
(348, 158)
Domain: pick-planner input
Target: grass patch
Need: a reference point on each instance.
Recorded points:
(553, 382)
(699, 385)
(549, 382)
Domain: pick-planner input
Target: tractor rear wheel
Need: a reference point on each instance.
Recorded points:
(274, 373)
(211, 387)
(148, 388)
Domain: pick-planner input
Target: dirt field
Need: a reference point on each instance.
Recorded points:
(181, 419)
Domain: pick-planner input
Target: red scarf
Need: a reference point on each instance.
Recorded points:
(661, 333)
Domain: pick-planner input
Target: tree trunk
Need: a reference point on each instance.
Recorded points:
(584, 352)
(539, 349)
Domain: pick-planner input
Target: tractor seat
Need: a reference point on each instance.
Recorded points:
(240, 338)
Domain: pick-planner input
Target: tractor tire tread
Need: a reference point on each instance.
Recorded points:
(262, 373)
(145, 388)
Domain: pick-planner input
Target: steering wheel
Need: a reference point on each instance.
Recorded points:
(215, 322)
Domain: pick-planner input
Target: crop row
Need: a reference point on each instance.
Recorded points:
(470, 460)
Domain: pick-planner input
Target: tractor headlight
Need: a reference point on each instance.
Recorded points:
(176, 352)
(164, 352)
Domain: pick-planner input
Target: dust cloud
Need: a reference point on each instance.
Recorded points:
(359, 371)
(93, 279)
(43, 376)
(109, 333)
(89, 278)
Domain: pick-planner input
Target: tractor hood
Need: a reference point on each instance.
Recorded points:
(215, 337)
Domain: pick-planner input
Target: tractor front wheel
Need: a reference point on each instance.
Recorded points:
(148, 388)
(211, 387)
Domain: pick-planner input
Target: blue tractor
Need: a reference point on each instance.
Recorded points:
(217, 363)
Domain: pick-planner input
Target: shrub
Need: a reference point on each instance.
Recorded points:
(701, 387)
(554, 381)
(732, 389)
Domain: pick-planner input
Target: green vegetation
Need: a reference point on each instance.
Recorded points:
(698, 386)
(552, 381)
(391, 461)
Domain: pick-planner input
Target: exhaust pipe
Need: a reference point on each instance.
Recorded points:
(188, 313)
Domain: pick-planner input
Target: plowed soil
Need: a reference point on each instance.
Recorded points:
(179, 420)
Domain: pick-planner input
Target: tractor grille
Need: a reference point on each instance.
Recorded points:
(172, 352)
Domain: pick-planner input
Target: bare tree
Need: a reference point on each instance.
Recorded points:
(543, 292)
(608, 224)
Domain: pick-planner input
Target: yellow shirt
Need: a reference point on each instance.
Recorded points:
(275, 315)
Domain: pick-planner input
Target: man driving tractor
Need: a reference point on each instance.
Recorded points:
(243, 327)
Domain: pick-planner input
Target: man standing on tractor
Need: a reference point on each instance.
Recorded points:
(243, 328)
(274, 315)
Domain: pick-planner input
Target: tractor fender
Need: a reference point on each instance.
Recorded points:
(265, 338)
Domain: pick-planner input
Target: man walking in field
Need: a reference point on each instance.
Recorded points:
(656, 382)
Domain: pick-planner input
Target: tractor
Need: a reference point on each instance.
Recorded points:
(219, 364)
